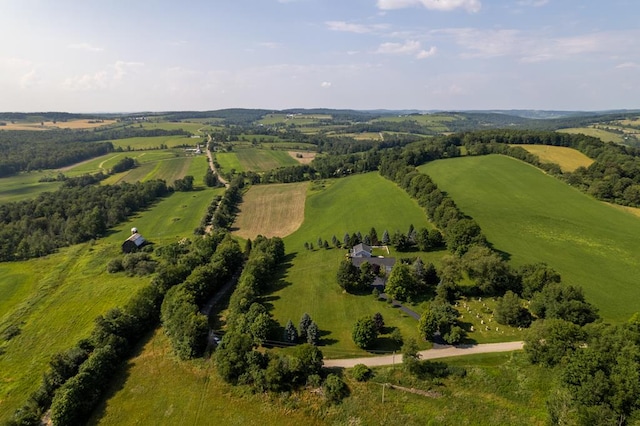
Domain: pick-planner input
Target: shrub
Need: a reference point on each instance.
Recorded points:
(335, 388)
(361, 372)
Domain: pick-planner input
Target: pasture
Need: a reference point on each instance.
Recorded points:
(568, 159)
(536, 218)
(601, 134)
(155, 142)
(271, 210)
(194, 128)
(308, 283)
(297, 119)
(253, 159)
(26, 186)
(55, 299)
(156, 388)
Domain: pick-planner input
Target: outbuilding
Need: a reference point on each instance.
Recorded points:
(134, 242)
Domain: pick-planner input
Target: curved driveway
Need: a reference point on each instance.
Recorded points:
(439, 351)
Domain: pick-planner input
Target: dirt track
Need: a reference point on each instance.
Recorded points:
(439, 352)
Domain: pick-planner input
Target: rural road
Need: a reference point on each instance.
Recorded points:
(440, 351)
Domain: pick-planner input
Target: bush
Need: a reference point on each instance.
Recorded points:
(361, 372)
(115, 265)
(335, 388)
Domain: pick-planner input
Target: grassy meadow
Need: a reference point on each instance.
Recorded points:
(308, 283)
(55, 299)
(602, 134)
(26, 186)
(568, 159)
(156, 388)
(536, 218)
(154, 142)
(253, 159)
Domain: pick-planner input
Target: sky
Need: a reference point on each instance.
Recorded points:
(139, 55)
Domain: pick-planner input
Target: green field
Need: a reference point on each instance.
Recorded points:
(537, 218)
(596, 133)
(154, 142)
(184, 125)
(55, 299)
(254, 159)
(155, 388)
(436, 122)
(26, 186)
(309, 284)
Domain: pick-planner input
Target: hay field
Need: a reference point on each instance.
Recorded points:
(537, 218)
(603, 135)
(568, 159)
(271, 210)
(302, 157)
(48, 125)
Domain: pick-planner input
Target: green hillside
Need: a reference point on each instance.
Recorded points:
(537, 218)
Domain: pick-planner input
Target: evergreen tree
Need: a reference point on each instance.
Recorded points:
(305, 322)
(373, 236)
(313, 334)
(290, 332)
(385, 237)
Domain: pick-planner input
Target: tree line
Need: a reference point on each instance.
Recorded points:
(78, 377)
(73, 214)
(27, 150)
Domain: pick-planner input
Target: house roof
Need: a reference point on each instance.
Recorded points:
(136, 238)
(382, 261)
(362, 247)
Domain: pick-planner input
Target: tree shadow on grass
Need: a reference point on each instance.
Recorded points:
(324, 341)
(120, 378)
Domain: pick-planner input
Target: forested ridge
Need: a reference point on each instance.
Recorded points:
(26, 150)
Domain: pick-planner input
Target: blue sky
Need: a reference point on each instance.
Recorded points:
(97, 56)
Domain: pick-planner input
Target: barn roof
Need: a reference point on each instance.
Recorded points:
(137, 239)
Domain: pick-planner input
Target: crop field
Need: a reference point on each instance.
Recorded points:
(271, 210)
(253, 159)
(568, 159)
(303, 157)
(56, 298)
(184, 125)
(48, 125)
(26, 186)
(537, 218)
(298, 120)
(155, 388)
(154, 142)
(309, 284)
(596, 133)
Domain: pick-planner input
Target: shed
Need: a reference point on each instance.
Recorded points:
(132, 243)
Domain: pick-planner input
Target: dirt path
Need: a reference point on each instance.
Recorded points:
(439, 352)
(213, 167)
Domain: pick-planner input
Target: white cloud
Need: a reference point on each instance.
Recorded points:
(409, 47)
(423, 54)
(538, 47)
(87, 82)
(440, 5)
(533, 3)
(30, 80)
(85, 46)
(270, 45)
(103, 79)
(354, 28)
(325, 84)
(628, 65)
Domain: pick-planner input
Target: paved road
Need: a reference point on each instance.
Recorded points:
(440, 351)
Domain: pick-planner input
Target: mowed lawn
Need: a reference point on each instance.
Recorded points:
(155, 388)
(308, 283)
(568, 159)
(537, 218)
(271, 210)
(57, 298)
